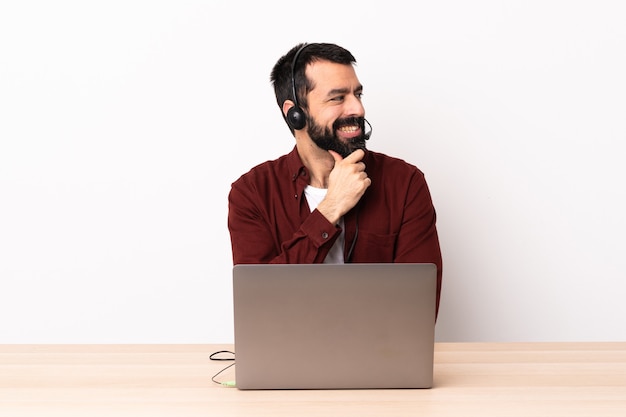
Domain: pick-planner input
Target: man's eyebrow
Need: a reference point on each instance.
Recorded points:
(335, 91)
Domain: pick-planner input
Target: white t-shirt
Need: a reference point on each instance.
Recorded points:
(313, 197)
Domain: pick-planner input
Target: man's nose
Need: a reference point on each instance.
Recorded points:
(354, 106)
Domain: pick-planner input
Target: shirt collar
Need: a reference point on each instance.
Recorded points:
(296, 167)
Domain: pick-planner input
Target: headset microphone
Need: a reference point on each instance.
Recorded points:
(367, 135)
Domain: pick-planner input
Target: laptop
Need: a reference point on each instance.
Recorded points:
(334, 326)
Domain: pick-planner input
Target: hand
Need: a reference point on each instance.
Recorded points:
(346, 185)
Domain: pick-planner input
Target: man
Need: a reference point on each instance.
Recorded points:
(330, 199)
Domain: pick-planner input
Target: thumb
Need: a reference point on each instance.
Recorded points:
(336, 156)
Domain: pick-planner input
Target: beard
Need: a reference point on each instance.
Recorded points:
(327, 139)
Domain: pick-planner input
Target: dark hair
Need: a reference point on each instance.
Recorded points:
(280, 77)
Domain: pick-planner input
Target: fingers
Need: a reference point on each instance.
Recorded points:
(353, 160)
(349, 169)
(355, 156)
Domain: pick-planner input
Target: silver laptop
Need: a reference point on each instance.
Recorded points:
(334, 326)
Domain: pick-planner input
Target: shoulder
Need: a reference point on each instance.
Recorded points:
(383, 164)
(395, 180)
(268, 172)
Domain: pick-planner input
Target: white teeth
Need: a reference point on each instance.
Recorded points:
(349, 128)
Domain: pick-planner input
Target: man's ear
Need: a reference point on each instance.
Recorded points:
(287, 104)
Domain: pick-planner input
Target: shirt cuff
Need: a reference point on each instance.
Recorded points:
(319, 229)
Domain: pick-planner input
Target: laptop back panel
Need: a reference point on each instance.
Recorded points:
(334, 326)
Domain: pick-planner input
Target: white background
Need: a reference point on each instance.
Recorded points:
(123, 124)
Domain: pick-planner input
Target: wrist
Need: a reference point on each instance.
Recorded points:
(330, 212)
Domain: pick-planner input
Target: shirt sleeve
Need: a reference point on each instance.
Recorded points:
(260, 235)
(418, 239)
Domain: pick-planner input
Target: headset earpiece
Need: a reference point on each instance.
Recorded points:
(295, 115)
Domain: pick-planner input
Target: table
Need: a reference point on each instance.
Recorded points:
(470, 379)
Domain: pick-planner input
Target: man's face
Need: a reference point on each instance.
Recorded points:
(335, 116)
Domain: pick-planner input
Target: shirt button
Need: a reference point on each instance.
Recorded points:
(324, 235)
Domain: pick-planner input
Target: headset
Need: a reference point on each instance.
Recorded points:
(295, 115)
